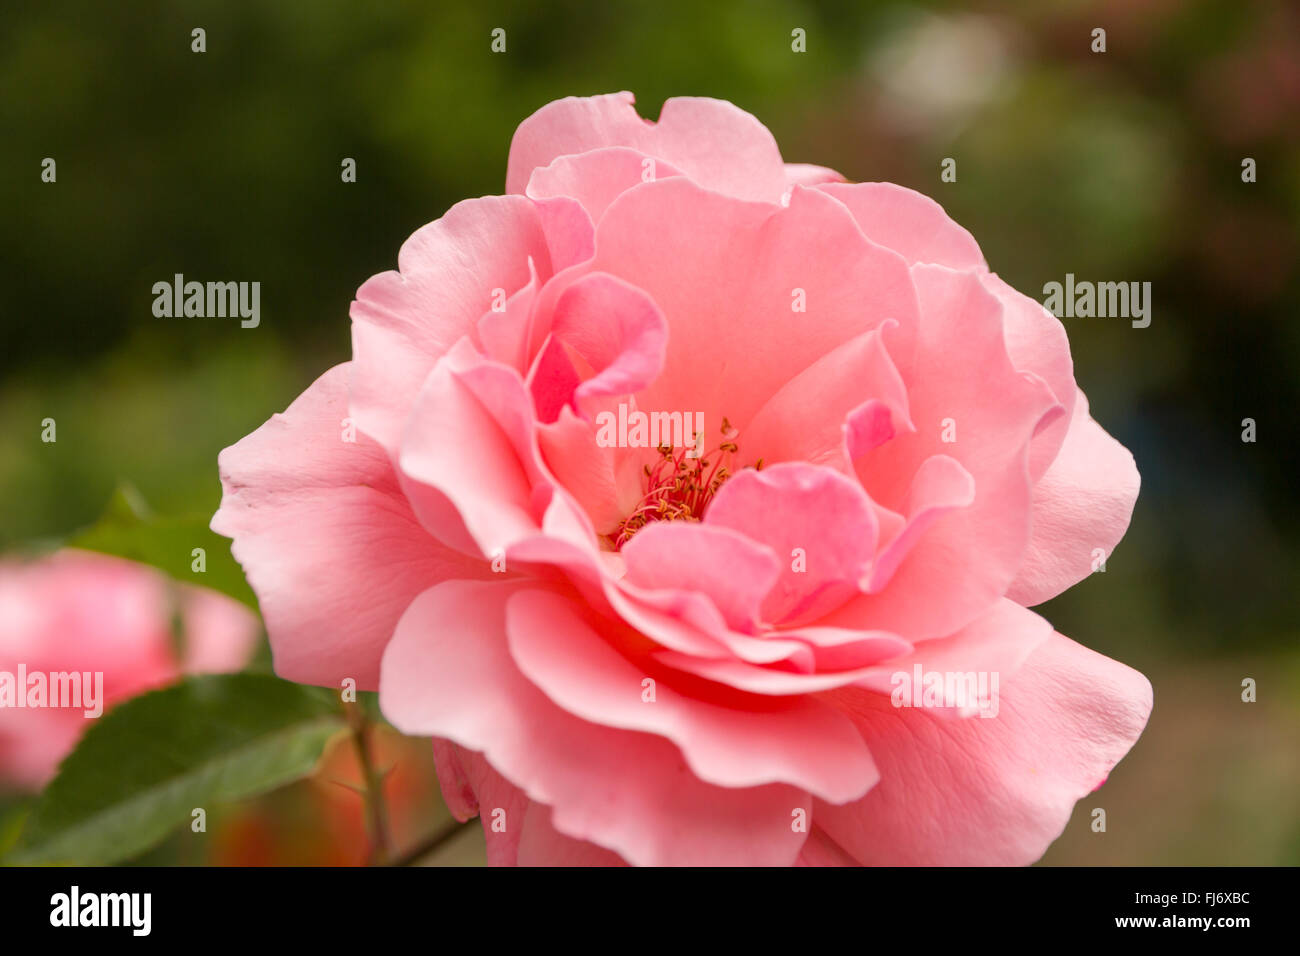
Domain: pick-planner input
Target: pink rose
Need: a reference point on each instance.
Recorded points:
(90, 614)
(633, 655)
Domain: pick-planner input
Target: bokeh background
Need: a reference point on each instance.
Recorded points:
(1122, 166)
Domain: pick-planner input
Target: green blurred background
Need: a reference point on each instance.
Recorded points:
(1121, 166)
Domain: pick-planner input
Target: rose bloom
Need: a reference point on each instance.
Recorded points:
(627, 654)
(89, 613)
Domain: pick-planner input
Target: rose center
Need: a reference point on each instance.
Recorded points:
(679, 487)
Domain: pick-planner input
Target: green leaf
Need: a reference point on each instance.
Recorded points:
(12, 816)
(144, 767)
(128, 529)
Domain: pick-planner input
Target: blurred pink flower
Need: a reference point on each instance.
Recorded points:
(629, 654)
(76, 611)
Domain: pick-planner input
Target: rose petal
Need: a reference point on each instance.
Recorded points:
(543, 845)
(472, 788)
(1081, 509)
(806, 419)
(910, 223)
(806, 174)
(819, 524)
(448, 275)
(729, 276)
(596, 178)
(448, 673)
(962, 385)
(1036, 342)
(736, 742)
(994, 791)
(716, 144)
(327, 539)
(733, 571)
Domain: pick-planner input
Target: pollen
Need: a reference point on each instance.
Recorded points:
(678, 487)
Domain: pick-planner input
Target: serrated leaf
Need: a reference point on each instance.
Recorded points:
(145, 766)
(128, 529)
